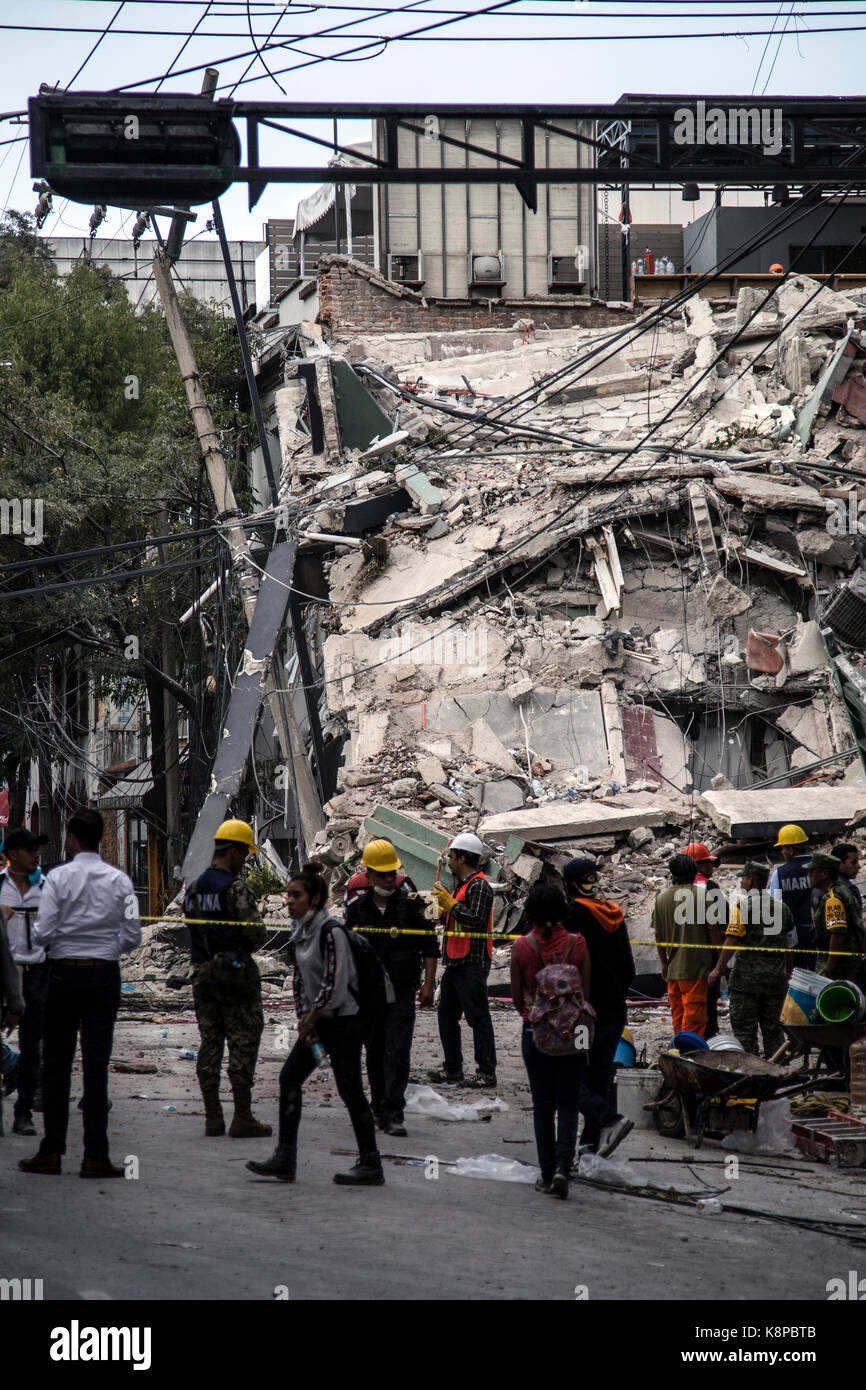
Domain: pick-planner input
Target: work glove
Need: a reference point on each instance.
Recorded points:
(444, 898)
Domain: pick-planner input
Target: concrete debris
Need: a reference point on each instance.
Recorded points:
(574, 641)
(756, 815)
(725, 600)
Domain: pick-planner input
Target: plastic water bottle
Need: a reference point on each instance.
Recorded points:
(320, 1056)
(723, 988)
(709, 1206)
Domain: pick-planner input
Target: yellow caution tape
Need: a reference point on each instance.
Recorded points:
(433, 930)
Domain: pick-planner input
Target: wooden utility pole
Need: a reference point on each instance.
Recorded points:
(282, 712)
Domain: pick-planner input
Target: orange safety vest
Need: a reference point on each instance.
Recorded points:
(458, 947)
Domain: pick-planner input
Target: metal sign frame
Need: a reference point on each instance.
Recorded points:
(822, 142)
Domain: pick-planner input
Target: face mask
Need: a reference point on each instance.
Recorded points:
(307, 917)
(35, 877)
(384, 892)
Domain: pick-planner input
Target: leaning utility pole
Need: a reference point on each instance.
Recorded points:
(291, 743)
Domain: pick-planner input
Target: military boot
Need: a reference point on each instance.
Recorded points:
(244, 1125)
(214, 1120)
(367, 1172)
(282, 1164)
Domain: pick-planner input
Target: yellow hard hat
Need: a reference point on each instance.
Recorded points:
(791, 835)
(239, 833)
(381, 856)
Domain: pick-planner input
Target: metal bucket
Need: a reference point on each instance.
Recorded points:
(725, 1042)
(635, 1088)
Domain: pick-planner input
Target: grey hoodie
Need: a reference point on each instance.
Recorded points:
(323, 980)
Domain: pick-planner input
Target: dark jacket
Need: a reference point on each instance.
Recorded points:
(401, 956)
(222, 897)
(610, 958)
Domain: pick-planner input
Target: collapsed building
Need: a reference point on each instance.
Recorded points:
(565, 585)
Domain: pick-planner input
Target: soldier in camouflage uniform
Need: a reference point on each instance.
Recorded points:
(838, 921)
(758, 980)
(225, 980)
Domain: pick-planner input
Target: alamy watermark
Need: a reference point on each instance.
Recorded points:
(738, 125)
(22, 516)
(709, 907)
(846, 516)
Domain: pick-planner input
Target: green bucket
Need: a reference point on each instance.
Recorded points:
(840, 1003)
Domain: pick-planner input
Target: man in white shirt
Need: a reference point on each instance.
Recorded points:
(88, 918)
(20, 892)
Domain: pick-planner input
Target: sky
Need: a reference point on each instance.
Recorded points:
(557, 51)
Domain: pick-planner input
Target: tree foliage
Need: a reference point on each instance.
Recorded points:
(94, 425)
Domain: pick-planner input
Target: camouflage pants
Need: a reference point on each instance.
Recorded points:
(226, 1013)
(748, 1011)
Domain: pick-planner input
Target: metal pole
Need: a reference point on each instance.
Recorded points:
(245, 353)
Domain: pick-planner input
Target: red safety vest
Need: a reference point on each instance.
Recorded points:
(458, 947)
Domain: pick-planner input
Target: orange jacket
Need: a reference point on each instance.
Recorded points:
(458, 947)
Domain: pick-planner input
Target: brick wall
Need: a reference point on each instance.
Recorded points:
(353, 297)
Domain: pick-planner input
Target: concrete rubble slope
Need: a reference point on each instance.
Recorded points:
(581, 581)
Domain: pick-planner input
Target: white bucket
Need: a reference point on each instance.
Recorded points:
(801, 1001)
(635, 1088)
(725, 1042)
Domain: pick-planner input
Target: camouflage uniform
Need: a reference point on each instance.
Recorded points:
(839, 911)
(228, 997)
(758, 978)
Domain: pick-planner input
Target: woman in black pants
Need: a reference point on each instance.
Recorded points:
(553, 1081)
(325, 983)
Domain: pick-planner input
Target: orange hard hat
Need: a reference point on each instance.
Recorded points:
(777, 269)
(698, 852)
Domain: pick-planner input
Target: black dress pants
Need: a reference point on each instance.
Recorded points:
(82, 1001)
(389, 1051)
(34, 985)
(463, 994)
(341, 1038)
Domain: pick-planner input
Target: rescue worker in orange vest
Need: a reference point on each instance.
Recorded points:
(463, 990)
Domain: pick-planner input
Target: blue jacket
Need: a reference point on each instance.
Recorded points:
(792, 884)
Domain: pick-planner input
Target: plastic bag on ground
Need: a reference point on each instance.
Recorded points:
(423, 1100)
(617, 1171)
(773, 1135)
(496, 1167)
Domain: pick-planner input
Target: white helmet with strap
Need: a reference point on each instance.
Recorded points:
(467, 843)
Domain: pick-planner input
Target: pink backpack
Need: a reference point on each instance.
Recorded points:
(563, 1023)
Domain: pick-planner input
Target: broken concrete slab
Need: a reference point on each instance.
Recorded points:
(756, 815)
(806, 650)
(521, 690)
(497, 797)
(481, 743)
(564, 820)
(766, 492)
(430, 770)
(565, 726)
(528, 868)
(449, 569)
(725, 600)
(425, 496)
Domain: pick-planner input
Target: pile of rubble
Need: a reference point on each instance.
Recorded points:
(571, 587)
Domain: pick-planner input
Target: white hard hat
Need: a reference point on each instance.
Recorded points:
(467, 842)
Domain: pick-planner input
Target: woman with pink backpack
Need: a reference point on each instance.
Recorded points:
(549, 987)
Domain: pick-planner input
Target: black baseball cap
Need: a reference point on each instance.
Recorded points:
(23, 839)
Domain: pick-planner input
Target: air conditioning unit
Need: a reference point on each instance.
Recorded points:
(845, 613)
(406, 268)
(567, 272)
(486, 268)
